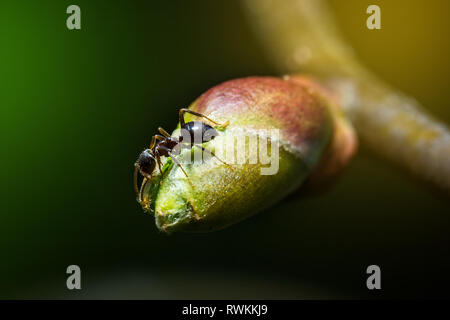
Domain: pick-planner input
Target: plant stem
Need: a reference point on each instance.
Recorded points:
(301, 35)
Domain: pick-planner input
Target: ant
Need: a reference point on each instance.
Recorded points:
(164, 144)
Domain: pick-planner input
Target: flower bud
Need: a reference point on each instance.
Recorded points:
(278, 133)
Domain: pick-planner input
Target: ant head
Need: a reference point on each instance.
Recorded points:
(146, 162)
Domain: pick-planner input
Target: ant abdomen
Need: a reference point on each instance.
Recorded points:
(199, 132)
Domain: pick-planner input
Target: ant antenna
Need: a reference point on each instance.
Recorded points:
(144, 183)
(135, 175)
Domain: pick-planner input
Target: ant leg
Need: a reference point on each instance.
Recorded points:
(147, 178)
(181, 167)
(172, 156)
(152, 143)
(158, 160)
(135, 180)
(164, 132)
(154, 138)
(184, 110)
(213, 154)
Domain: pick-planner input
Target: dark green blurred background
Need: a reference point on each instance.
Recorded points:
(77, 107)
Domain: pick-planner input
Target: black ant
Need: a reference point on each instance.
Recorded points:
(165, 144)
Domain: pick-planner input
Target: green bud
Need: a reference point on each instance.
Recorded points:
(289, 117)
